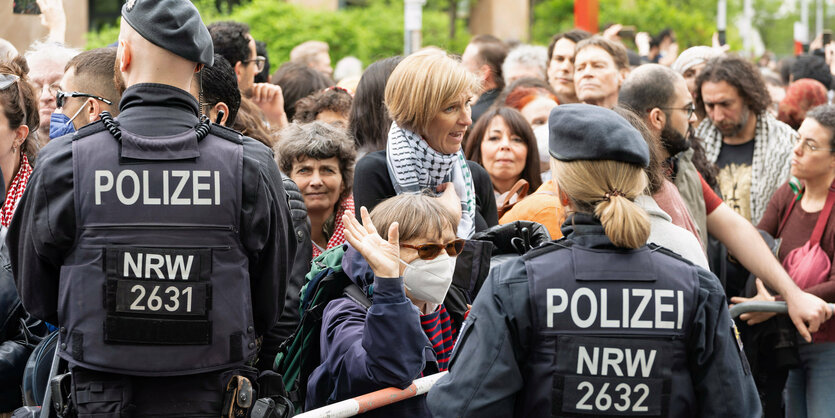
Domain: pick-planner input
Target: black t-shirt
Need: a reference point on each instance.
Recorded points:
(734, 164)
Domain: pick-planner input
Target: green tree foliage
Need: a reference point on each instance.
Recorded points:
(692, 20)
(369, 32)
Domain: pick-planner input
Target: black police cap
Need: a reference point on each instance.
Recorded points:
(173, 25)
(586, 132)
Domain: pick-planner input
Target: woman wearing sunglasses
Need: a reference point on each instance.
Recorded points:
(19, 121)
(406, 332)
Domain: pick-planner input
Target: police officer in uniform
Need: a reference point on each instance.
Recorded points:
(160, 244)
(598, 323)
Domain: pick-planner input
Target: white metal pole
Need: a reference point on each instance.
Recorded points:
(412, 25)
(804, 20)
(748, 10)
(818, 17)
(722, 20)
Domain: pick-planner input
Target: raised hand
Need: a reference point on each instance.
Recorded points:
(270, 99)
(383, 256)
(54, 18)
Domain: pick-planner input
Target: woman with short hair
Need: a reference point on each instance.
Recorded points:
(428, 98)
(319, 158)
(404, 332)
(803, 221)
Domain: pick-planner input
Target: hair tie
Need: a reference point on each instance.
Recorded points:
(609, 195)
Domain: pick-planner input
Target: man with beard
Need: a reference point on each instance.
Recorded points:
(171, 236)
(561, 64)
(661, 96)
(233, 41)
(750, 147)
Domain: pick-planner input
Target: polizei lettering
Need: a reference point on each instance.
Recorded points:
(633, 308)
(172, 187)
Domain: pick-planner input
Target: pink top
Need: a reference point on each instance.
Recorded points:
(670, 201)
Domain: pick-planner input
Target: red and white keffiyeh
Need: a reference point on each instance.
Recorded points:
(338, 236)
(15, 192)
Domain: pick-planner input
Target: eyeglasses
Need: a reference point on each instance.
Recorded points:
(259, 63)
(51, 88)
(62, 96)
(689, 109)
(430, 251)
(809, 146)
(6, 81)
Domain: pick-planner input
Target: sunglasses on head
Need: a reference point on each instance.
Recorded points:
(430, 251)
(6, 81)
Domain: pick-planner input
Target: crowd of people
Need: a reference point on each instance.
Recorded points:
(684, 182)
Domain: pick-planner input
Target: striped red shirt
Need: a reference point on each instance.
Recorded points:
(438, 327)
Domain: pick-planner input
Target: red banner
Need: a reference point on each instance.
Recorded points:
(585, 15)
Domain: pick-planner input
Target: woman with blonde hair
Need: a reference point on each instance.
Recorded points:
(428, 98)
(562, 330)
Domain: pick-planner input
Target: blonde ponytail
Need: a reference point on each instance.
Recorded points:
(607, 189)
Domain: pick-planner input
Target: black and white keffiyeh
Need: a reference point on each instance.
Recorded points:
(771, 164)
(413, 166)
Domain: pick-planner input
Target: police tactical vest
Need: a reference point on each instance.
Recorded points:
(612, 329)
(158, 282)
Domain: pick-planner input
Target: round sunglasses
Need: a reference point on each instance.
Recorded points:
(430, 251)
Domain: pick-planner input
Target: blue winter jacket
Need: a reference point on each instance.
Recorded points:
(364, 351)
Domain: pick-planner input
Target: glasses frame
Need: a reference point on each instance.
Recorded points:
(260, 63)
(6, 81)
(52, 89)
(809, 147)
(689, 109)
(62, 96)
(453, 248)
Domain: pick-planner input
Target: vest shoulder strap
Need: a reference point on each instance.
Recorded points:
(357, 295)
(89, 130)
(560, 244)
(657, 248)
(228, 134)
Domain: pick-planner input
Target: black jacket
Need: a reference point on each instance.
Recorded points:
(304, 252)
(44, 230)
(372, 185)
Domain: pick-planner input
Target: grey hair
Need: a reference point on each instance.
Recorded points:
(347, 67)
(529, 56)
(7, 50)
(50, 52)
(320, 141)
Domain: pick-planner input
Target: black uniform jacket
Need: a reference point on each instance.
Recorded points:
(486, 370)
(43, 230)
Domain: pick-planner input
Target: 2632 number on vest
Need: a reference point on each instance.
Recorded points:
(612, 376)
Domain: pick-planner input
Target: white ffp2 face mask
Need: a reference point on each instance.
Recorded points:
(429, 280)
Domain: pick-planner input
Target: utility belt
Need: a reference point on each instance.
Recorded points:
(240, 398)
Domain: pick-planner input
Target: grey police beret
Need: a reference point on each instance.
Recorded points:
(174, 25)
(586, 132)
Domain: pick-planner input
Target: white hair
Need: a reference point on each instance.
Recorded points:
(49, 52)
(7, 50)
(347, 67)
(527, 55)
